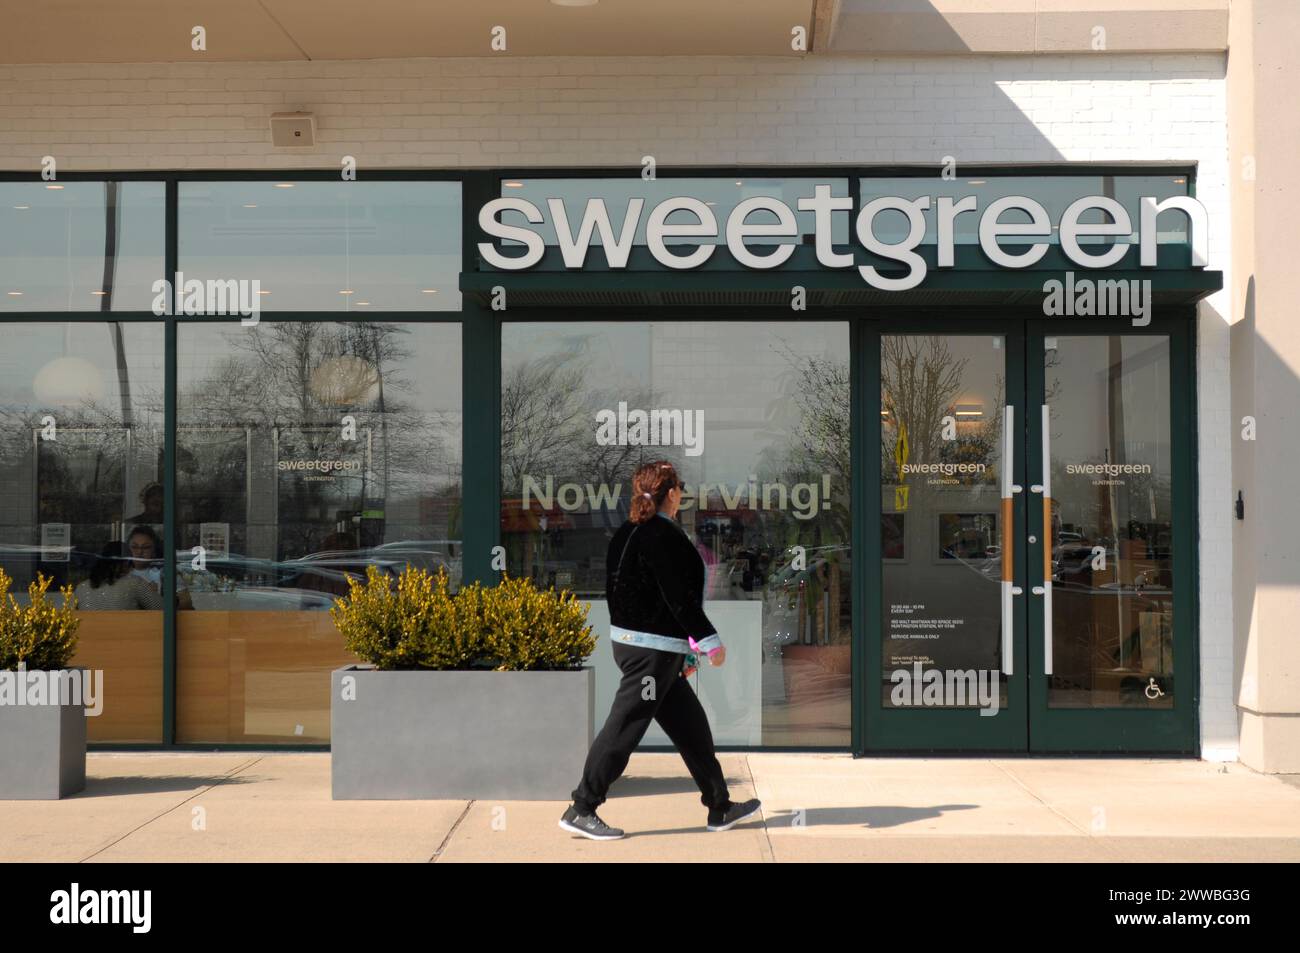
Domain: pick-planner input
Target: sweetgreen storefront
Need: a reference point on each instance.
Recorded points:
(940, 462)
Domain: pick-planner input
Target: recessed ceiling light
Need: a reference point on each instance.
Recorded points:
(21, 207)
(738, 182)
(251, 205)
(99, 292)
(284, 185)
(575, 3)
(263, 292)
(14, 294)
(430, 291)
(54, 186)
(1180, 181)
(363, 304)
(513, 185)
(347, 291)
(978, 182)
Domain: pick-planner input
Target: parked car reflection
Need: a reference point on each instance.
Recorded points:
(235, 582)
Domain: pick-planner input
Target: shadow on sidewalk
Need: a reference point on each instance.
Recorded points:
(873, 817)
(127, 785)
(879, 816)
(634, 786)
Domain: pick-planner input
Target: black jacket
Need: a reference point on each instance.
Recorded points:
(660, 587)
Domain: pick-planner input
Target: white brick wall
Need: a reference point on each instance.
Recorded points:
(499, 111)
(502, 111)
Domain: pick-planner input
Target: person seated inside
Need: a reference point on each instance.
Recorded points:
(151, 497)
(144, 549)
(112, 585)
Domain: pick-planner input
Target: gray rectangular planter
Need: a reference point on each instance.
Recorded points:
(519, 736)
(42, 751)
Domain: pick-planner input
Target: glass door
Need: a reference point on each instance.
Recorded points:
(1111, 523)
(1031, 586)
(946, 607)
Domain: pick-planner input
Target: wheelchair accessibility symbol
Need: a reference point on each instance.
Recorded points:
(1153, 691)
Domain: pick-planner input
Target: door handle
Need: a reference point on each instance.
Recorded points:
(1045, 590)
(1008, 552)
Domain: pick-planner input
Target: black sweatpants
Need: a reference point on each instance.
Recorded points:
(673, 704)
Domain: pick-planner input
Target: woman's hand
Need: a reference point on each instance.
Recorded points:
(718, 657)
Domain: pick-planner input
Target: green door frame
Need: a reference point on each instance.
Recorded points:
(924, 729)
(1033, 727)
(1110, 730)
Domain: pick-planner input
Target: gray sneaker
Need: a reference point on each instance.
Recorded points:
(733, 815)
(588, 825)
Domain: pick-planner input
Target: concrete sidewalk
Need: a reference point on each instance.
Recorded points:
(277, 807)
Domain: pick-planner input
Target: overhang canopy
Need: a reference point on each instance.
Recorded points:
(973, 281)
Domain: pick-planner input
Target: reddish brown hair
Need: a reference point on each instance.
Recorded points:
(650, 486)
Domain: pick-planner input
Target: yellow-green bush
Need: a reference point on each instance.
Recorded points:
(40, 635)
(527, 629)
(419, 623)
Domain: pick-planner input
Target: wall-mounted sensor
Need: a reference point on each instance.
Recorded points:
(293, 129)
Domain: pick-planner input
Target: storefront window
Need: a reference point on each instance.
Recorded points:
(81, 415)
(756, 419)
(941, 466)
(80, 246)
(1112, 530)
(306, 452)
(356, 247)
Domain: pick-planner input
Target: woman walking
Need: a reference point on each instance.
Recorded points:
(654, 582)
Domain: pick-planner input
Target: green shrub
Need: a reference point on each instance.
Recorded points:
(526, 630)
(419, 624)
(41, 635)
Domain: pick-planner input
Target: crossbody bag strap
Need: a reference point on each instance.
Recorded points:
(619, 568)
